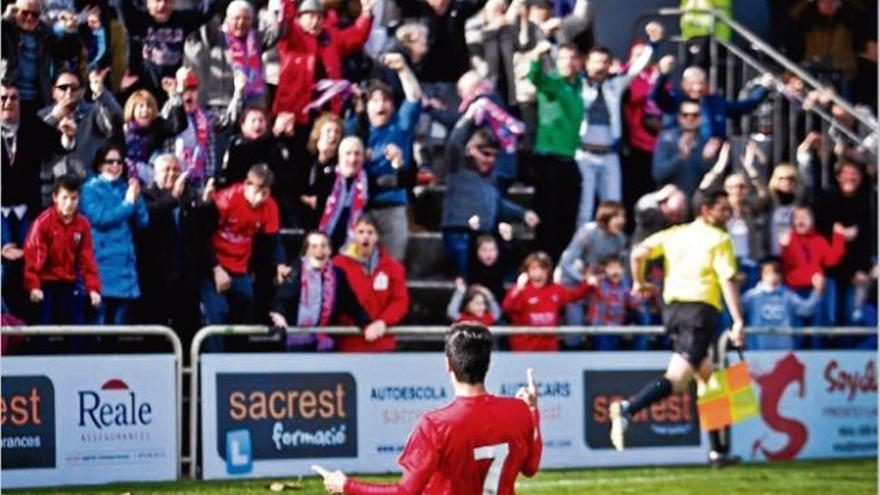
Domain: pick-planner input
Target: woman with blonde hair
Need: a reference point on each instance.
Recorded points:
(315, 180)
(146, 131)
(786, 188)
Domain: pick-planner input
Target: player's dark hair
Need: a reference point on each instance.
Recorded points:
(468, 348)
(709, 200)
(68, 182)
(8, 82)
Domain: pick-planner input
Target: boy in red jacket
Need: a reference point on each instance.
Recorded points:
(805, 253)
(379, 282)
(535, 301)
(57, 252)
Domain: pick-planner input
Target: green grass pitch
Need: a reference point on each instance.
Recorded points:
(852, 477)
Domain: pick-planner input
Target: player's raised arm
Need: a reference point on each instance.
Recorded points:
(529, 394)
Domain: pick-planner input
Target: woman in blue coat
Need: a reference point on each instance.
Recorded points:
(115, 208)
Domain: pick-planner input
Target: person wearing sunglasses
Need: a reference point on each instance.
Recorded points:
(33, 51)
(682, 155)
(95, 122)
(473, 205)
(115, 208)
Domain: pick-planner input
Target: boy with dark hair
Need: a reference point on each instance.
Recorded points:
(57, 252)
(476, 444)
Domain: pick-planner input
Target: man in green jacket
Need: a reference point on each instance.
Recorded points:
(557, 178)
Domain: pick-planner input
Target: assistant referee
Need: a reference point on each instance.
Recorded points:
(699, 267)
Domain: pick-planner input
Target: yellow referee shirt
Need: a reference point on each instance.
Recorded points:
(697, 257)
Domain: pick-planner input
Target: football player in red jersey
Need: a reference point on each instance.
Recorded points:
(476, 444)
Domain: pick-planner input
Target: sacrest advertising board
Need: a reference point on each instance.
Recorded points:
(276, 414)
(87, 419)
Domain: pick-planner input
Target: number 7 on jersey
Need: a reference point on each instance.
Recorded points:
(498, 454)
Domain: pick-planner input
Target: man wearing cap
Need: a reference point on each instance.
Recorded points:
(195, 147)
(311, 51)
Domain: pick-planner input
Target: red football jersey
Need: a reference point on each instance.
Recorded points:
(471, 446)
(237, 225)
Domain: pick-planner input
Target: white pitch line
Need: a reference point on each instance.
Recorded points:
(527, 484)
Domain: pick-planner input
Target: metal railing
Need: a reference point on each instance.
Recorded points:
(127, 331)
(436, 331)
(755, 59)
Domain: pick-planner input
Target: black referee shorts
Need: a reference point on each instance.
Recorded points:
(691, 326)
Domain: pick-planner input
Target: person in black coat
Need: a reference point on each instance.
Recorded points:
(851, 203)
(315, 294)
(256, 143)
(168, 250)
(314, 182)
(447, 58)
(26, 37)
(27, 142)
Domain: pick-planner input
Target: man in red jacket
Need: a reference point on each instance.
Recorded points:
(379, 282)
(314, 49)
(478, 443)
(57, 251)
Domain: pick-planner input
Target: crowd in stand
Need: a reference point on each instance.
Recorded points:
(153, 154)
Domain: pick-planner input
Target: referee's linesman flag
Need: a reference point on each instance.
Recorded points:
(727, 397)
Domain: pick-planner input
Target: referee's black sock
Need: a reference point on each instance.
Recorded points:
(653, 392)
(717, 441)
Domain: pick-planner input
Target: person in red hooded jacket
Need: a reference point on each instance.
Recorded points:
(313, 49)
(379, 282)
(805, 253)
(57, 252)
